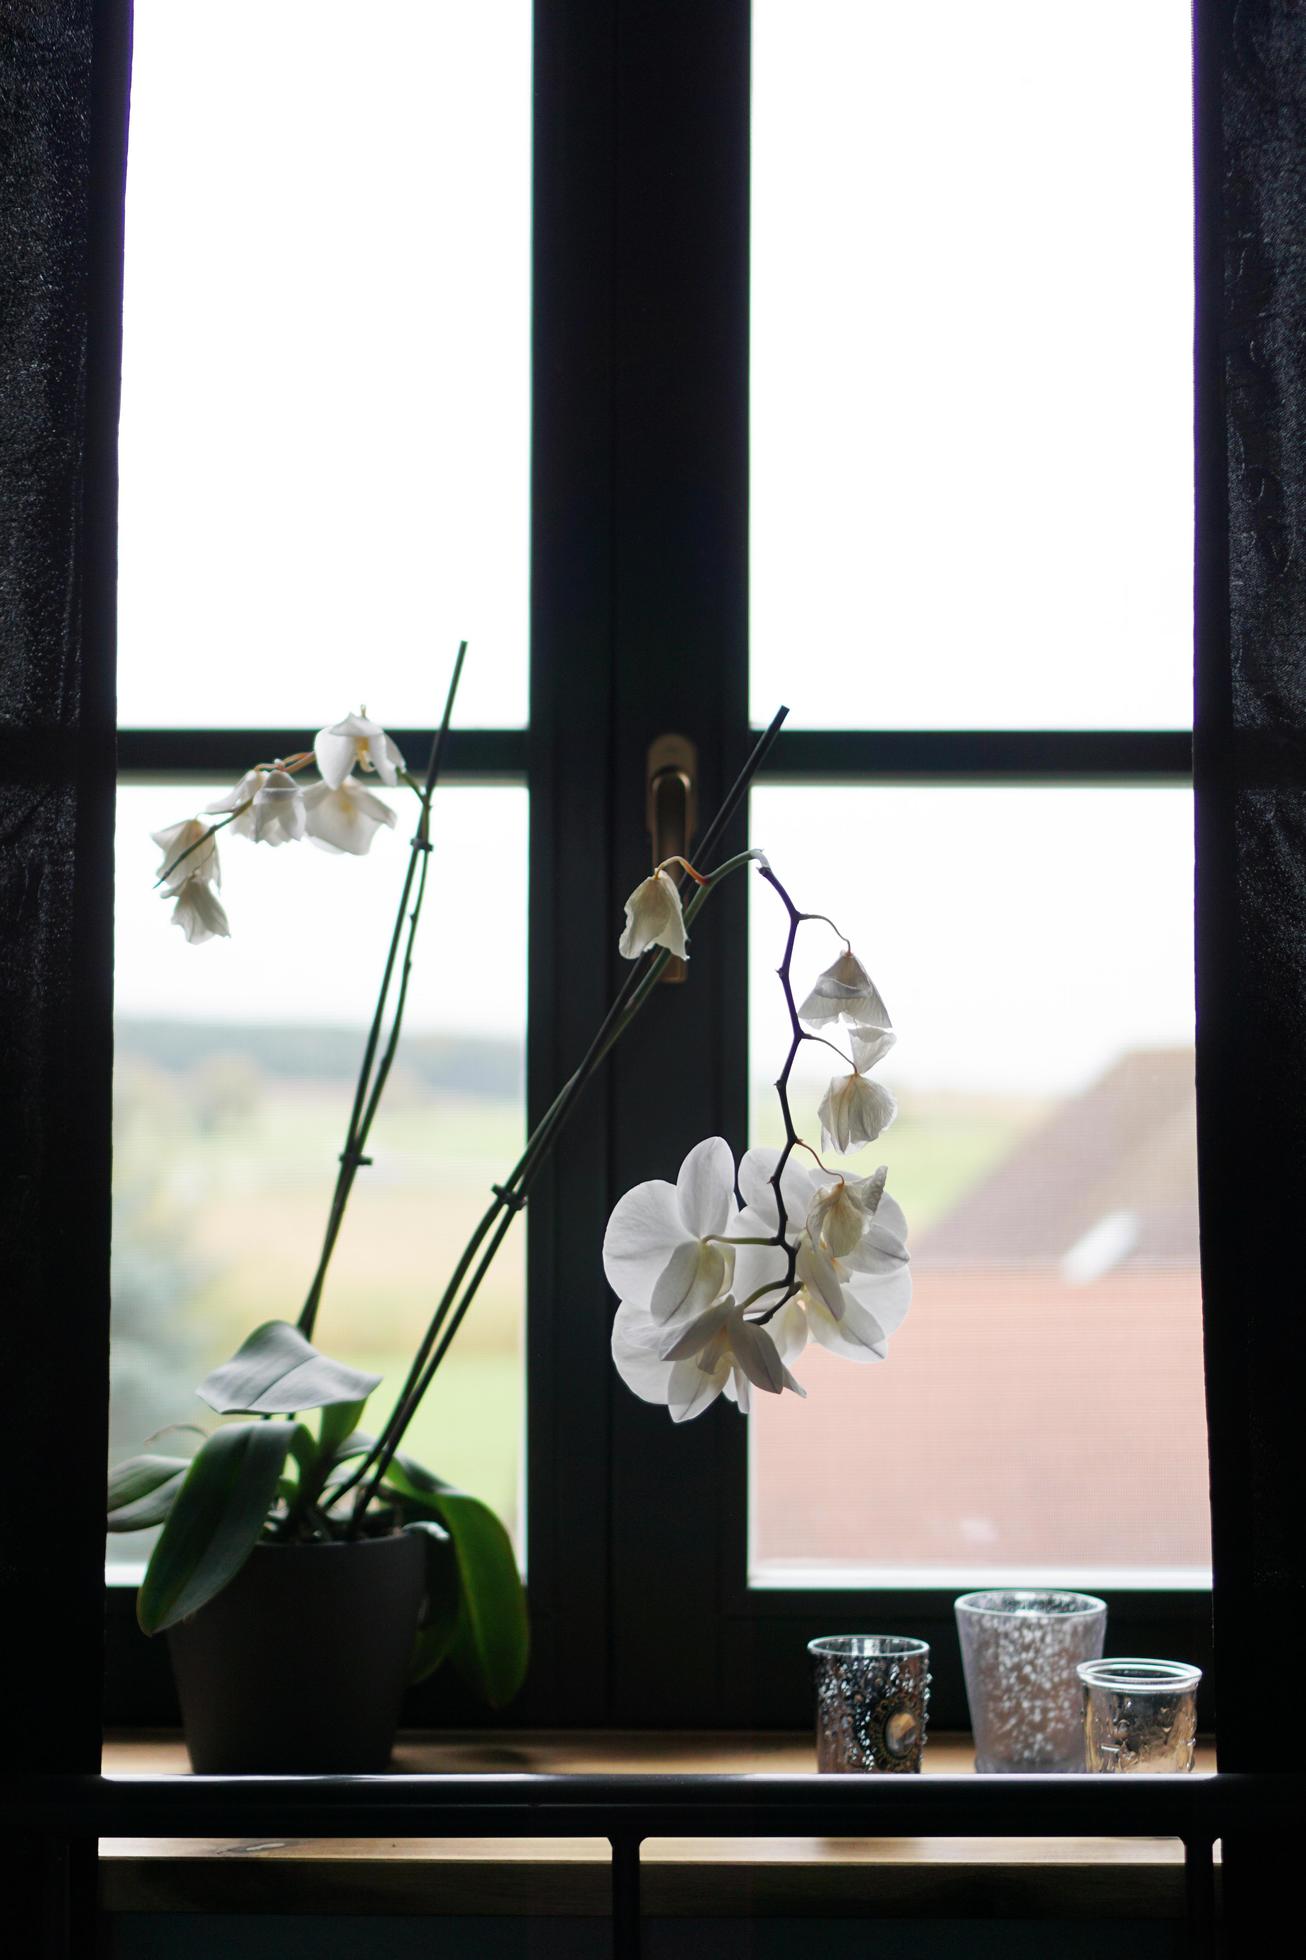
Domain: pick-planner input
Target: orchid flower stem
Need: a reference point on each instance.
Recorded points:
(367, 1094)
(510, 1196)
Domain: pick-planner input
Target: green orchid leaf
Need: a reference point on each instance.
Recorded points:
(439, 1621)
(338, 1428)
(215, 1520)
(141, 1491)
(491, 1642)
(410, 1477)
(277, 1372)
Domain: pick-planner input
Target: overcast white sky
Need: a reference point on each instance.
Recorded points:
(971, 498)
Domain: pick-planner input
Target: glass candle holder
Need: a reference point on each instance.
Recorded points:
(1139, 1716)
(872, 1701)
(1019, 1651)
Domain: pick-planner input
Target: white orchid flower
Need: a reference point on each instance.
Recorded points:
(344, 819)
(661, 1251)
(845, 993)
(719, 1351)
(359, 743)
(189, 851)
(199, 912)
(850, 1302)
(654, 918)
(241, 800)
(278, 808)
(854, 1111)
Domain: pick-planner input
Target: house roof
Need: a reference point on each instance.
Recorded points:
(1107, 1180)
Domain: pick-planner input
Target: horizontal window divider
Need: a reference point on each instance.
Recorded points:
(839, 1604)
(480, 754)
(945, 755)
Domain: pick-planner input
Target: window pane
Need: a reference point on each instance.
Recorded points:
(235, 1067)
(971, 494)
(1041, 1410)
(325, 418)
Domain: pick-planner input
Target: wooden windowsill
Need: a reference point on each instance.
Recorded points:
(1135, 1878)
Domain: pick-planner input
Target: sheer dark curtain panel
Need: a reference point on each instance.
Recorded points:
(63, 98)
(1250, 770)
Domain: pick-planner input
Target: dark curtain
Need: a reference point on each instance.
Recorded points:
(63, 85)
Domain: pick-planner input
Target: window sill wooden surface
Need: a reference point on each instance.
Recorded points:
(1060, 1878)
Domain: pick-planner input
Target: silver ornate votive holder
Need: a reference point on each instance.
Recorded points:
(1140, 1716)
(1019, 1651)
(872, 1701)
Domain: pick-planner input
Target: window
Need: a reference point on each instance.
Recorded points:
(642, 1604)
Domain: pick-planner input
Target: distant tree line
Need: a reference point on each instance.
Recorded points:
(473, 1064)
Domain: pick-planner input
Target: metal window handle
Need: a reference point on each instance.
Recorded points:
(671, 777)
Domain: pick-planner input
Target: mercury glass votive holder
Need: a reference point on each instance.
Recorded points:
(1140, 1716)
(1019, 1651)
(872, 1701)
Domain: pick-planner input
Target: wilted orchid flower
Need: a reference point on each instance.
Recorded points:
(654, 918)
(359, 743)
(189, 851)
(241, 800)
(854, 1111)
(845, 993)
(344, 819)
(278, 808)
(661, 1250)
(199, 912)
(837, 1217)
(720, 1350)
(849, 1302)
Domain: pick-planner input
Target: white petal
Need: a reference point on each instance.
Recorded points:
(244, 792)
(797, 1185)
(756, 1354)
(386, 756)
(788, 1329)
(693, 1279)
(857, 1335)
(871, 1045)
(199, 913)
(756, 1265)
(653, 918)
(683, 1343)
(634, 1352)
(189, 851)
(706, 1188)
(879, 1250)
(886, 1296)
(845, 992)
(854, 1111)
(643, 1232)
(820, 1279)
(694, 1389)
(334, 750)
(344, 819)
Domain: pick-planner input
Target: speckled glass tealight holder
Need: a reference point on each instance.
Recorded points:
(1139, 1716)
(1019, 1650)
(872, 1701)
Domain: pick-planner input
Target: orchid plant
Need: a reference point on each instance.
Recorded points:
(721, 1285)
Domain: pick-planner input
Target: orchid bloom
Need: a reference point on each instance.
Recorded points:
(718, 1352)
(359, 743)
(661, 1250)
(845, 993)
(854, 1111)
(199, 912)
(345, 819)
(849, 1302)
(241, 800)
(654, 918)
(836, 1219)
(189, 851)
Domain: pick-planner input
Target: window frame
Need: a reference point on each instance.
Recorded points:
(641, 1610)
